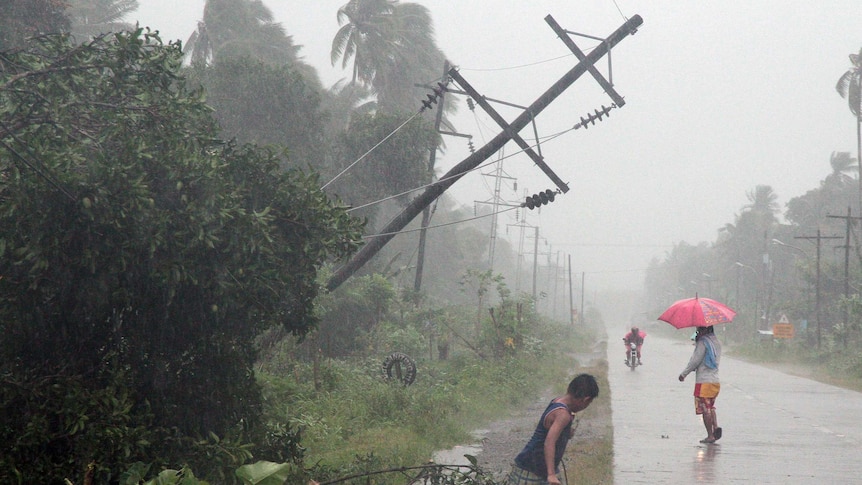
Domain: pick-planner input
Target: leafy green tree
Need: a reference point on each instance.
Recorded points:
(394, 167)
(139, 251)
(849, 86)
(21, 19)
(267, 104)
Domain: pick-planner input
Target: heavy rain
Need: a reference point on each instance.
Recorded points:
(369, 241)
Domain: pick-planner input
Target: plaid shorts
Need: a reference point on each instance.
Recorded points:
(704, 396)
(519, 476)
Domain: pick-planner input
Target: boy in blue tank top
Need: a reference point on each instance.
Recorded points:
(539, 461)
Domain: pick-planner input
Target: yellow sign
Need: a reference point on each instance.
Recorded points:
(783, 330)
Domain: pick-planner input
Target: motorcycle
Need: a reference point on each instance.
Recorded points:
(632, 360)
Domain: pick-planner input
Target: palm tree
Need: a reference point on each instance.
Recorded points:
(392, 47)
(365, 25)
(91, 18)
(763, 201)
(841, 162)
(240, 28)
(849, 86)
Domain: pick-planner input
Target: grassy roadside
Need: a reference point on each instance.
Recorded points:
(589, 457)
(355, 423)
(834, 368)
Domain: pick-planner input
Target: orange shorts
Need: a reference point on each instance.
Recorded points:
(704, 396)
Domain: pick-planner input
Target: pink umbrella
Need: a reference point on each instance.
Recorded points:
(697, 312)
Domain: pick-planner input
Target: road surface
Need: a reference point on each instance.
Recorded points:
(777, 428)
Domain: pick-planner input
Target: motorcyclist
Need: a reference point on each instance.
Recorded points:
(637, 336)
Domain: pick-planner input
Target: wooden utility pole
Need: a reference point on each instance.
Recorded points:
(571, 294)
(817, 315)
(535, 263)
(453, 175)
(581, 314)
(426, 212)
(849, 220)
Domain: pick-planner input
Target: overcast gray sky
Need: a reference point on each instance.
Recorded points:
(720, 97)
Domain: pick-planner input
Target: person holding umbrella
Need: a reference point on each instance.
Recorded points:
(704, 362)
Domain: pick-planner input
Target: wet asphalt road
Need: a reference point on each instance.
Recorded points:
(777, 428)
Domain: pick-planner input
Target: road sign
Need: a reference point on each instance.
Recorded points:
(783, 330)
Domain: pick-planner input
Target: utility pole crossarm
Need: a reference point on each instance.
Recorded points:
(462, 168)
(512, 134)
(607, 86)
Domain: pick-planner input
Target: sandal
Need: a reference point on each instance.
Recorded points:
(717, 434)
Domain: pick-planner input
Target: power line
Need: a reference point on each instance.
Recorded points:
(372, 149)
(371, 236)
(521, 66)
(479, 167)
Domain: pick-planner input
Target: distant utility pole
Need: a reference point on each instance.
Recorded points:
(849, 220)
(496, 202)
(522, 225)
(817, 315)
(510, 132)
(426, 212)
(571, 294)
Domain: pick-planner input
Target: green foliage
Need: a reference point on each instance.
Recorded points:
(133, 239)
(264, 473)
(21, 19)
(352, 314)
(67, 424)
(397, 165)
(183, 476)
(256, 102)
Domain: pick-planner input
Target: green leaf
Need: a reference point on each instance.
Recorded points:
(264, 473)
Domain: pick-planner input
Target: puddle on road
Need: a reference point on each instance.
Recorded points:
(455, 456)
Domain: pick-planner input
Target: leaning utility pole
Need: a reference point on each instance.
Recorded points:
(453, 175)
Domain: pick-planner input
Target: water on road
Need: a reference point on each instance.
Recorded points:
(777, 428)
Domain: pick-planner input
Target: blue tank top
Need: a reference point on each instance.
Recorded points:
(532, 457)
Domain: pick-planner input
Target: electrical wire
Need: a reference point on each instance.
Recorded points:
(372, 149)
(620, 11)
(371, 236)
(479, 167)
(426, 104)
(431, 184)
(42, 172)
(517, 67)
(522, 66)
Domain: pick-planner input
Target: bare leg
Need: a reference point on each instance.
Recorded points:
(709, 424)
(716, 430)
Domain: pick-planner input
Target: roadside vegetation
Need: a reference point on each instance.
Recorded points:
(356, 422)
(836, 364)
